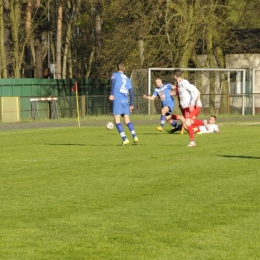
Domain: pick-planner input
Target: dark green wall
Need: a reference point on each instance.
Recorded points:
(96, 94)
(51, 87)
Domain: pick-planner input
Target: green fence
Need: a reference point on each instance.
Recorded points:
(93, 96)
(51, 87)
(66, 106)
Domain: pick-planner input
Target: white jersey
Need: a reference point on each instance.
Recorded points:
(212, 128)
(188, 93)
(199, 104)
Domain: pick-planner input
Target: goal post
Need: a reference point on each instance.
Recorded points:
(223, 91)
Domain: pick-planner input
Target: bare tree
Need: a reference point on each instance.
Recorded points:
(98, 30)
(59, 40)
(91, 36)
(28, 30)
(73, 11)
(3, 71)
(15, 25)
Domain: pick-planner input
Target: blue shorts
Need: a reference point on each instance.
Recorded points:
(170, 106)
(121, 107)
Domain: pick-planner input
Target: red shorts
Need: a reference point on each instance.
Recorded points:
(190, 114)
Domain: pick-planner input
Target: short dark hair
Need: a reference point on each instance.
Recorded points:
(214, 117)
(120, 66)
(177, 72)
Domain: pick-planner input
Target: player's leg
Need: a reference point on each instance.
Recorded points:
(195, 123)
(172, 121)
(197, 111)
(131, 128)
(184, 126)
(198, 122)
(196, 126)
(118, 111)
(164, 111)
(120, 130)
(169, 119)
(181, 127)
(189, 121)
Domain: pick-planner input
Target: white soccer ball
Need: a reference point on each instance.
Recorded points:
(110, 125)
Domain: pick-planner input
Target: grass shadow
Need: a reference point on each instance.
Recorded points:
(239, 156)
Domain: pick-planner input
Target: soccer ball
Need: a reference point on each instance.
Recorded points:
(110, 125)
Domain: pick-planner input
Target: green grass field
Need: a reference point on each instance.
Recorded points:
(75, 193)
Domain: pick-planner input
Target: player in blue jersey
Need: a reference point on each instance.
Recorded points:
(121, 87)
(164, 92)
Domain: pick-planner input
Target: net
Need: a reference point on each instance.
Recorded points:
(223, 91)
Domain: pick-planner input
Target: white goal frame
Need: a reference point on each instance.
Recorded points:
(254, 71)
(243, 71)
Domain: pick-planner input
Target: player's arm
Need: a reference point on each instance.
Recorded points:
(131, 92)
(211, 129)
(149, 97)
(173, 92)
(217, 130)
(113, 83)
(194, 94)
(198, 101)
(198, 97)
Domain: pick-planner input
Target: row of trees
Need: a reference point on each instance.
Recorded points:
(86, 38)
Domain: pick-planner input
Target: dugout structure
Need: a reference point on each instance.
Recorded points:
(10, 109)
(223, 91)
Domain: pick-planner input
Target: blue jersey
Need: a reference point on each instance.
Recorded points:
(121, 86)
(164, 93)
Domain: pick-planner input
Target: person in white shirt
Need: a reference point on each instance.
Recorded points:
(183, 126)
(188, 95)
(208, 127)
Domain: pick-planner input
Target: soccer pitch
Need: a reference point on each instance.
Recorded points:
(75, 193)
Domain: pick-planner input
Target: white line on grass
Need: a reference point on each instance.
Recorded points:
(40, 160)
(34, 130)
(85, 159)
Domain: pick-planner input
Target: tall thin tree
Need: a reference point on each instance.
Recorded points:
(59, 41)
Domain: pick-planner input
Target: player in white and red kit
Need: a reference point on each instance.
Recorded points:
(188, 96)
(183, 126)
(207, 126)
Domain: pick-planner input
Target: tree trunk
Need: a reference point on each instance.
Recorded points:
(38, 57)
(67, 44)
(3, 71)
(7, 40)
(98, 27)
(27, 51)
(141, 50)
(68, 38)
(188, 39)
(211, 62)
(66, 49)
(59, 41)
(15, 23)
(220, 57)
(90, 62)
